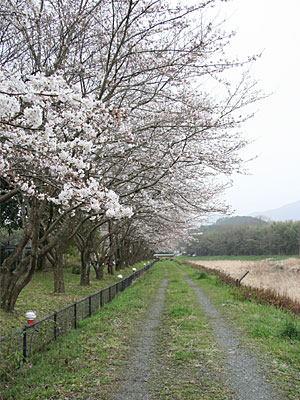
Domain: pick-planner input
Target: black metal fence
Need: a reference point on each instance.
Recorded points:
(17, 347)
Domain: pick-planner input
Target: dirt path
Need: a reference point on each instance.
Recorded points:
(146, 368)
(134, 385)
(245, 377)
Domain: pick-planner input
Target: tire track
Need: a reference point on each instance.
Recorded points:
(245, 377)
(134, 385)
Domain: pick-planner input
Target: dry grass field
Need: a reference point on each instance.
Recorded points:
(281, 276)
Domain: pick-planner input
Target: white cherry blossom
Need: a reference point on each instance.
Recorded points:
(49, 143)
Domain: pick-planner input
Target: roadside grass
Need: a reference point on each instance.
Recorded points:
(266, 330)
(89, 362)
(38, 295)
(189, 361)
(275, 257)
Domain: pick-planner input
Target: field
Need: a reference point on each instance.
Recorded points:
(280, 275)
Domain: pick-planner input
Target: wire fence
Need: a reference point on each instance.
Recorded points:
(18, 346)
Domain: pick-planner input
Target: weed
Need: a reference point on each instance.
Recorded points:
(202, 275)
(180, 311)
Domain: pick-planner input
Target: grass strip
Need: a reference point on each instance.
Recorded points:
(86, 364)
(271, 333)
(189, 362)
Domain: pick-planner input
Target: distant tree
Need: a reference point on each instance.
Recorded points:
(241, 221)
(221, 239)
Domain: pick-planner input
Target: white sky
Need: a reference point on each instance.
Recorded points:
(270, 26)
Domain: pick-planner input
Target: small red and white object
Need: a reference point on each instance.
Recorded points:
(30, 316)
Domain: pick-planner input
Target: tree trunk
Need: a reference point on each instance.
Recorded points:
(110, 267)
(13, 284)
(11, 270)
(41, 263)
(17, 270)
(99, 265)
(55, 256)
(58, 273)
(99, 270)
(85, 267)
(118, 264)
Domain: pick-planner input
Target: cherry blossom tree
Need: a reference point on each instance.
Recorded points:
(49, 137)
(107, 113)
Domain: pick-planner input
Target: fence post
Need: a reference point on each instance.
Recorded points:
(90, 306)
(109, 294)
(75, 315)
(238, 281)
(55, 325)
(24, 343)
(101, 298)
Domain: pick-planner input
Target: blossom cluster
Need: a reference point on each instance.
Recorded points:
(51, 141)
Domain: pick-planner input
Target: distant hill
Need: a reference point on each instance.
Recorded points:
(240, 220)
(285, 213)
(225, 223)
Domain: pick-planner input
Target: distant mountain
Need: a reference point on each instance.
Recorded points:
(285, 213)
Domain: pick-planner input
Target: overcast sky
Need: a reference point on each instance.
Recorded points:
(270, 26)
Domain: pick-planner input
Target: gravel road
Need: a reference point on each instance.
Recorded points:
(134, 385)
(245, 377)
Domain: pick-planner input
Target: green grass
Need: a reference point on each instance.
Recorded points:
(189, 359)
(272, 332)
(88, 362)
(241, 258)
(38, 295)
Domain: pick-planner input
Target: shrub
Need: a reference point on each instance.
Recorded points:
(290, 330)
(202, 275)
